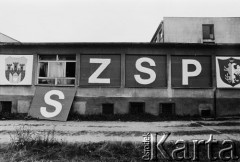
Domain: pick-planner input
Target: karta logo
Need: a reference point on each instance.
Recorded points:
(190, 150)
(52, 103)
(230, 71)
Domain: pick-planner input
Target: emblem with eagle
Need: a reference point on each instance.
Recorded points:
(230, 71)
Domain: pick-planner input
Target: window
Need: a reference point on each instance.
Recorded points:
(6, 107)
(56, 69)
(167, 109)
(208, 31)
(206, 113)
(107, 109)
(137, 108)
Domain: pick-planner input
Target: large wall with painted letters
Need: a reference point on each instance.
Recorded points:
(186, 78)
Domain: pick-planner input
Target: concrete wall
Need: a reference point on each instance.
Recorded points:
(189, 29)
(20, 96)
(89, 100)
(228, 99)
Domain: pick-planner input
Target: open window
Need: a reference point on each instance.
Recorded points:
(208, 32)
(56, 69)
(108, 109)
(136, 108)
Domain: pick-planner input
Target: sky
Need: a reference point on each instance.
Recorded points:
(100, 20)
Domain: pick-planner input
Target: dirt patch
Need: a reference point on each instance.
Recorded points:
(105, 133)
(220, 124)
(184, 125)
(124, 131)
(106, 126)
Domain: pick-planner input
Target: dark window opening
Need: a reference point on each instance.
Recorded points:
(205, 113)
(47, 57)
(46, 81)
(107, 109)
(6, 107)
(70, 69)
(208, 31)
(67, 57)
(167, 109)
(43, 69)
(137, 108)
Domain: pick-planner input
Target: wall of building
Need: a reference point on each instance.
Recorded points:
(89, 100)
(189, 29)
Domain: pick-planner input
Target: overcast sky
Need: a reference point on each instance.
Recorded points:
(100, 20)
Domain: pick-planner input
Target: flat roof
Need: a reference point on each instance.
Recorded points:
(115, 44)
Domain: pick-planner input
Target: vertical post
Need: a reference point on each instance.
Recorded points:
(214, 85)
(77, 69)
(123, 69)
(35, 68)
(169, 80)
(215, 103)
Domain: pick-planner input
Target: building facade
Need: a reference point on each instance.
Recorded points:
(198, 30)
(121, 78)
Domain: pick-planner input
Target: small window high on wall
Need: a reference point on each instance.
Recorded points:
(56, 69)
(208, 31)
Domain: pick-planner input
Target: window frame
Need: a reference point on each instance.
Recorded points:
(161, 108)
(55, 78)
(211, 28)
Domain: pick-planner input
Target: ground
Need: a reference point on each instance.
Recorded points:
(86, 131)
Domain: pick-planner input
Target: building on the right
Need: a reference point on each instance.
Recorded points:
(198, 30)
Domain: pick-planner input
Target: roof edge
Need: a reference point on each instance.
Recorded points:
(112, 43)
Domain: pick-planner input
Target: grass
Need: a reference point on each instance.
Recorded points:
(104, 151)
(25, 137)
(28, 145)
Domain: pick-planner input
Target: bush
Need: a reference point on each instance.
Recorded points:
(13, 116)
(25, 137)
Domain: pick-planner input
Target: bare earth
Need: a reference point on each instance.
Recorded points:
(84, 131)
